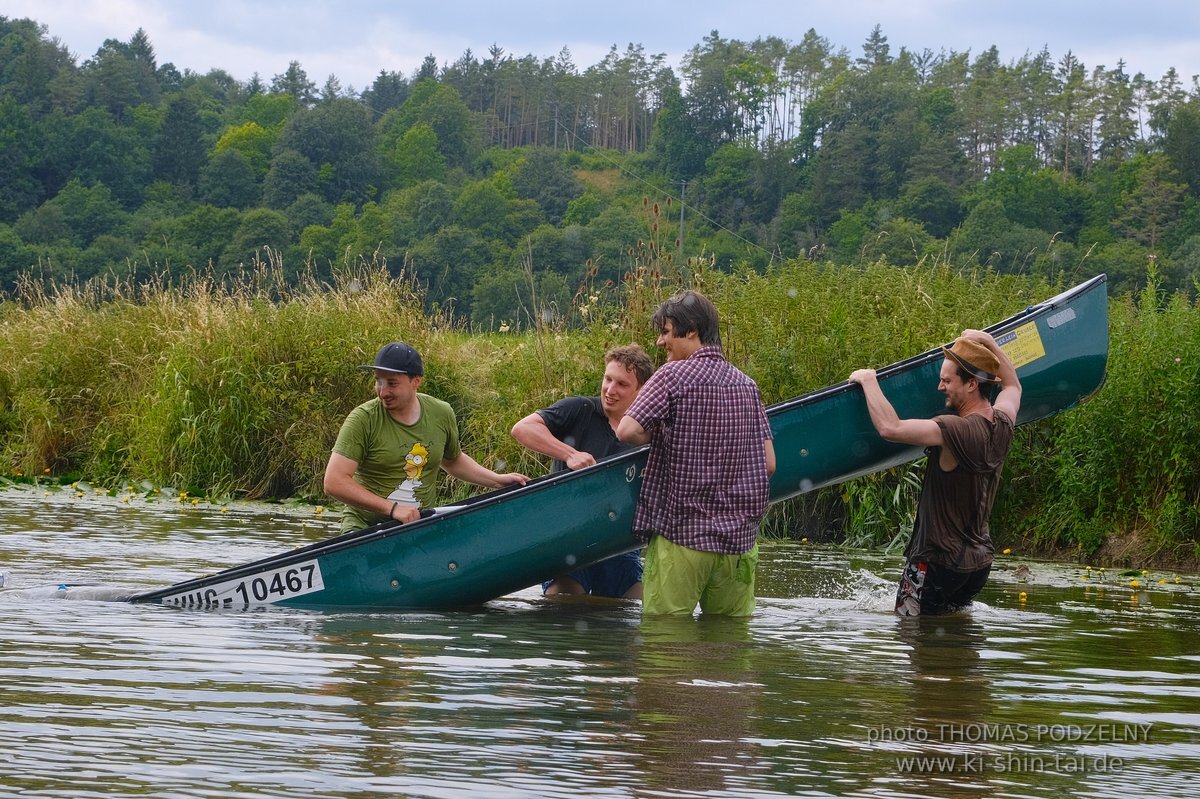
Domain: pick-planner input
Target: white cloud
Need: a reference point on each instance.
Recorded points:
(355, 39)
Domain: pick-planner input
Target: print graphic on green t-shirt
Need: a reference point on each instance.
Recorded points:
(414, 466)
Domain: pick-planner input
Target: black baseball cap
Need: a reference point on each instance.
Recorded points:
(397, 357)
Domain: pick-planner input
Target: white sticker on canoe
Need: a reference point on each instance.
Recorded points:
(256, 589)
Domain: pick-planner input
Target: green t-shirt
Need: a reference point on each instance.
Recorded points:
(395, 460)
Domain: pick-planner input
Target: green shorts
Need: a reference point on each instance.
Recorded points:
(677, 578)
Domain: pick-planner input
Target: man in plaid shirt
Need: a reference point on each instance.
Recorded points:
(707, 476)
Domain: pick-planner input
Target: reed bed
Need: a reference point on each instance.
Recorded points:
(237, 386)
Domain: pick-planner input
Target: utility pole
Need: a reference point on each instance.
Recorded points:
(682, 205)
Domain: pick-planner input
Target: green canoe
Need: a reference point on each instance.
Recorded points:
(510, 539)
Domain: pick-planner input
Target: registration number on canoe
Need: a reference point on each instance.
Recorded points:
(257, 589)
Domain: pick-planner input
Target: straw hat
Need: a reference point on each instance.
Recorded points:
(975, 359)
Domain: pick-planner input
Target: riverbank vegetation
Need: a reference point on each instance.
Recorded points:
(238, 388)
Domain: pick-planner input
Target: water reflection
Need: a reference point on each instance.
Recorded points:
(695, 698)
(523, 691)
(950, 701)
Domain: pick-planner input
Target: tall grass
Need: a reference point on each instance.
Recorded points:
(804, 325)
(238, 387)
(226, 387)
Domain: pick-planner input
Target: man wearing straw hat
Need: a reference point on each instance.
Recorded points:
(950, 554)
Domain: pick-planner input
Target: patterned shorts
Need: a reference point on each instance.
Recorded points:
(926, 588)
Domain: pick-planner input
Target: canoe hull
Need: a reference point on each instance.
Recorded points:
(510, 539)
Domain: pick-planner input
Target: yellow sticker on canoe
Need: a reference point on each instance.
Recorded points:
(1023, 345)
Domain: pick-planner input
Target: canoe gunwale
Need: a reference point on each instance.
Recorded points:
(1031, 312)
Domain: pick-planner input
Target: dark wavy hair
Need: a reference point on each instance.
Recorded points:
(688, 311)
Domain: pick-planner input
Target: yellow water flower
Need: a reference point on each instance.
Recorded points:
(1007, 551)
(1134, 584)
(1022, 596)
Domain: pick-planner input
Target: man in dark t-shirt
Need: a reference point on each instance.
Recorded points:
(950, 554)
(578, 431)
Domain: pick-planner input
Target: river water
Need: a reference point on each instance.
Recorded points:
(1080, 687)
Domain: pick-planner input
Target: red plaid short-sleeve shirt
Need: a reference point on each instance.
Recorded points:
(706, 483)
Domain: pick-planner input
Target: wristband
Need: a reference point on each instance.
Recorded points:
(392, 512)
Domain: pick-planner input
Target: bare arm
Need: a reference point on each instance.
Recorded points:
(631, 431)
(466, 468)
(532, 433)
(1009, 398)
(769, 449)
(920, 432)
(340, 484)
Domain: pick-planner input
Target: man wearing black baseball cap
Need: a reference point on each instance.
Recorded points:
(385, 461)
(399, 358)
(950, 554)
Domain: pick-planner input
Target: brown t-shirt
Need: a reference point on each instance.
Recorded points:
(952, 515)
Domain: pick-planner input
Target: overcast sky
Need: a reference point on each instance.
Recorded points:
(355, 39)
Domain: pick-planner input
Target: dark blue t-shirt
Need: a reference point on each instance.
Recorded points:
(580, 422)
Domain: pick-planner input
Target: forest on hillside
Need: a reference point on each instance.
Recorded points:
(499, 184)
